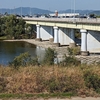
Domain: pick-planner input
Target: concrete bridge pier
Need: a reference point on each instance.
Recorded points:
(56, 37)
(84, 51)
(51, 39)
(72, 37)
(38, 37)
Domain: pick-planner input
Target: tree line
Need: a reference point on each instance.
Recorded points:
(15, 28)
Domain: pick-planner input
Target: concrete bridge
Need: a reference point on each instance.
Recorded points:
(61, 31)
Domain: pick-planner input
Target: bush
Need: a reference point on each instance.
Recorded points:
(73, 51)
(92, 80)
(49, 57)
(69, 61)
(23, 60)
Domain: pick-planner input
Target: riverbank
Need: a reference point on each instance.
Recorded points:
(53, 79)
(61, 51)
(45, 44)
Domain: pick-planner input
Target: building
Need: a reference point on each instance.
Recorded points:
(64, 15)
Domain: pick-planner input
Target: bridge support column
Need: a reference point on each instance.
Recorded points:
(51, 35)
(84, 51)
(72, 37)
(56, 37)
(38, 33)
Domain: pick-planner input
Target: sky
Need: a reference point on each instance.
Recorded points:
(52, 5)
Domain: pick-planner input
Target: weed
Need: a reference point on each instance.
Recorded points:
(70, 61)
(73, 51)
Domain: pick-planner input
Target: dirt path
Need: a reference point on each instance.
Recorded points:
(74, 98)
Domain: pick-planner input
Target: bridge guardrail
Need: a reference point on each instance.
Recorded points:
(73, 20)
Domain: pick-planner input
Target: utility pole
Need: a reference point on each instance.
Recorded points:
(21, 8)
(71, 6)
(14, 10)
(30, 11)
(74, 8)
(21, 11)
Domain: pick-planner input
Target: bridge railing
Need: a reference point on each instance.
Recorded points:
(73, 20)
(89, 20)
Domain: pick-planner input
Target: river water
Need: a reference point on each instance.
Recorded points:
(9, 50)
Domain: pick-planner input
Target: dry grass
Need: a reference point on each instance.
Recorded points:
(47, 79)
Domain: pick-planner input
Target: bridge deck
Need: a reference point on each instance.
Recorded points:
(68, 20)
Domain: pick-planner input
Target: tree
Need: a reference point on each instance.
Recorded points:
(11, 26)
(92, 16)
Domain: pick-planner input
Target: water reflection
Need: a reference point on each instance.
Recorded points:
(9, 50)
(40, 53)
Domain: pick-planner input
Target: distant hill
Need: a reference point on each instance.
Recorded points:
(25, 11)
(32, 11)
(95, 12)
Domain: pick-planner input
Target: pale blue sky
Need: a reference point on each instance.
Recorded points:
(52, 4)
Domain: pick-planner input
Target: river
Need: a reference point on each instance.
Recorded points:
(9, 50)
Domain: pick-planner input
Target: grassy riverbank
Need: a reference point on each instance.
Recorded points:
(70, 80)
(26, 78)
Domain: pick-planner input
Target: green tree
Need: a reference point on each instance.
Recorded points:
(29, 30)
(92, 16)
(12, 26)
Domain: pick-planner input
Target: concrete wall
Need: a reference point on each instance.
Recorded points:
(64, 36)
(93, 41)
(45, 32)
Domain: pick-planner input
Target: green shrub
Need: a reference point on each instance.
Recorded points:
(69, 61)
(49, 57)
(23, 60)
(33, 61)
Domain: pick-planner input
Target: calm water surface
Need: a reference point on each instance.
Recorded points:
(9, 50)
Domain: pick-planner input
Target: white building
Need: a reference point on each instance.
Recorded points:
(65, 15)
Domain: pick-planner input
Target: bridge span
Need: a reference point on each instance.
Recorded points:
(61, 31)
